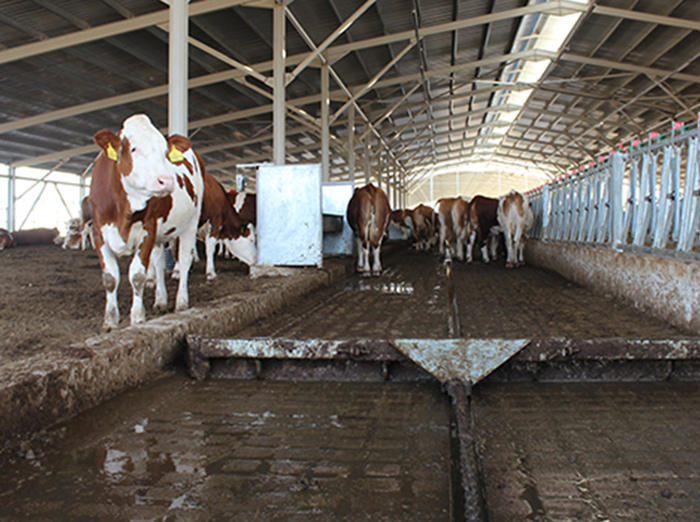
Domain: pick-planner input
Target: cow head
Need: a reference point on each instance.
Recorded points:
(140, 153)
(243, 247)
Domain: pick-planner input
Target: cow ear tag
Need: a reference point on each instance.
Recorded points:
(175, 155)
(111, 153)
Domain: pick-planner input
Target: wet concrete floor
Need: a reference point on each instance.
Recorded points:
(264, 450)
(588, 452)
(223, 450)
(410, 300)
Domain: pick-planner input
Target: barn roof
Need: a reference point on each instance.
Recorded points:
(488, 84)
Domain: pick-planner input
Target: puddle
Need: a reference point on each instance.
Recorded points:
(391, 288)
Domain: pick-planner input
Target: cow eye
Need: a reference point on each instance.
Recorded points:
(133, 149)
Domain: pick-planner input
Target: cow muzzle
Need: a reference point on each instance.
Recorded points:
(166, 185)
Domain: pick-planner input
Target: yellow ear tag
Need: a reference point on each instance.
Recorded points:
(111, 153)
(175, 155)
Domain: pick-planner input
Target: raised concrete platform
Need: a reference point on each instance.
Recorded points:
(42, 390)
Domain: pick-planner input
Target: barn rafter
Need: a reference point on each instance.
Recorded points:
(421, 88)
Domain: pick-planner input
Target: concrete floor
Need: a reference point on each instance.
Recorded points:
(223, 450)
(564, 452)
(261, 450)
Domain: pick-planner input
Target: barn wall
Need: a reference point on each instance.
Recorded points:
(665, 287)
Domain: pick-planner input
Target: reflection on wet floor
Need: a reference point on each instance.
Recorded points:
(225, 450)
(369, 285)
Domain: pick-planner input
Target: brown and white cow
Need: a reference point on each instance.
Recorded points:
(36, 236)
(220, 221)
(423, 224)
(146, 190)
(483, 223)
(515, 219)
(403, 220)
(368, 215)
(79, 234)
(6, 239)
(452, 215)
(245, 204)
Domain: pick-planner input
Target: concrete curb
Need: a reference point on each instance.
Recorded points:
(661, 286)
(40, 391)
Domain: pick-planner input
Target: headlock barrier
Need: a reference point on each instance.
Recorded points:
(643, 197)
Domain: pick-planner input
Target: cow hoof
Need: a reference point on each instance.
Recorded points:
(160, 308)
(211, 277)
(175, 275)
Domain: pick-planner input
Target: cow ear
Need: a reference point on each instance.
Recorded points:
(177, 144)
(109, 143)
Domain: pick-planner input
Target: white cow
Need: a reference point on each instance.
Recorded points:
(515, 219)
(146, 190)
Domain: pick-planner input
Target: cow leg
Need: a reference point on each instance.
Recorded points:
(156, 270)
(137, 278)
(363, 257)
(493, 244)
(460, 247)
(518, 244)
(443, 233)
(485, 251)
(377, 262)
(508, 234)
(185, 255)
(210, 248)
(470, 246)
(110, 282)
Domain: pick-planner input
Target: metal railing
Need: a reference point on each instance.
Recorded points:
(644, 197)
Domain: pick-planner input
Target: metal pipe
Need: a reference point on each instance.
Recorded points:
(278, 87)
(177, 71)
(325, 127)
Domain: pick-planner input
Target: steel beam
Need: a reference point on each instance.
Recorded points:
(105, 31)
(329, 40)
(638, 16)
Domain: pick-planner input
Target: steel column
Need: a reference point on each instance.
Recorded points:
(177, 71)
(325, 126)
(351, 144)
(11, 187)
(278, 83)
(368, 158)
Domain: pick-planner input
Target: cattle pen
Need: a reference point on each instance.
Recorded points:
(322, 187)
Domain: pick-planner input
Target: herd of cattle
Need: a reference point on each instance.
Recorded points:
(149, 191)
(456, 225)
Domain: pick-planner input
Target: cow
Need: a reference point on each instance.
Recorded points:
(86, 218)
(403, 220)
(483, 223)
(146, 190)
(73, 234)
(452, 216)
(423, 224)
(515, 219)
(245, 204)
(368, 215)
(36, 236)
(80, 229)
(6, 239)
(220, 221)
